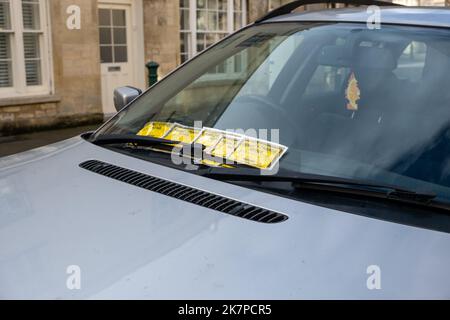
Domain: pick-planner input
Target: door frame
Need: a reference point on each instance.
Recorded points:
(136, 42)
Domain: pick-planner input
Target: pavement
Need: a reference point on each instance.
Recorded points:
(14, 144)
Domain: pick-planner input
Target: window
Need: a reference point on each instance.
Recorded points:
(412, 62)
(327, 79)
(113, 36)
(23, 47)
(204, 22)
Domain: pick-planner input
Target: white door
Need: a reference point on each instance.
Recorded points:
(115, 51)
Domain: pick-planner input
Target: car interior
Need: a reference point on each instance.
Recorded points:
(397, 123)
(402, 120)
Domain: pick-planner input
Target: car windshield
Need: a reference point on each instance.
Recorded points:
(347, 101)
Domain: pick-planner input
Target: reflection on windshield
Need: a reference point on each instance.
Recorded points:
(348, 102)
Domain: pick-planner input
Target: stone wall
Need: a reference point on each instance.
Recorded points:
(162, 33)
(39, 116)
(257, 9)
(76, 59)
(76, 77)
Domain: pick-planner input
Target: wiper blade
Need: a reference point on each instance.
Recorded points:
(321, 182)
(129, 138)
(144, 141)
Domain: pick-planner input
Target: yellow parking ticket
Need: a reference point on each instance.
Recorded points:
(182, 134)
(156, 129)
(209, 138)
(220, 146)
(213, 163)
(226, 146)
(258, 153)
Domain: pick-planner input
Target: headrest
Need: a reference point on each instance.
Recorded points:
(360, 57)
(374, 58)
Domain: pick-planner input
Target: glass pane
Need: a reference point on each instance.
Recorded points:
(184, 20)
(104, 17)
(183, 43)
(105, 36)
(201, 20)
(5, 49)
(5, 74)
(32, 55)
(372, 125)
(5, 61)
(120, 54)
(211, 38)
(327, 79)
(223, 5)
(213, 21)
(106, 54)
(31, 45)
(33, 72)
(5, 18)
(184, 58)
(201, 3)
(30, 13)
(237, 5)
(212, 4)
(412, 62)
(200, 42)
(184, 3)
(237, 21)
(120, 36)
(222, 68)
(223, 21)
(119, 18)
(238, 63)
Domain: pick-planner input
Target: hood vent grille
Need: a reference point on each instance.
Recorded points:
(185, 193)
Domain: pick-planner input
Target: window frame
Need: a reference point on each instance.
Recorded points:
(112, 28)
(17, 30)
(193, 31)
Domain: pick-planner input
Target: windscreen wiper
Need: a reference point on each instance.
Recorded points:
(145, 141)
(324, 183)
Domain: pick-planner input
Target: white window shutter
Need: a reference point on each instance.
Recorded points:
(5, 45)
(32, 58)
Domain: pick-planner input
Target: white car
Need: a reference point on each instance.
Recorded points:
(348, 195)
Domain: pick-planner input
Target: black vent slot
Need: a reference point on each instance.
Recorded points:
(185, 193)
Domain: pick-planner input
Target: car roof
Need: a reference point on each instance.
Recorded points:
(418, 16)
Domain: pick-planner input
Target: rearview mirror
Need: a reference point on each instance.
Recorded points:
(124, 95)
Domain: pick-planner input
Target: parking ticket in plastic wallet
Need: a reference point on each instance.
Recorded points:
(258, 153)
(237, 148)
(182, 133)
(209, 138)
(226, 146)
(156, 129)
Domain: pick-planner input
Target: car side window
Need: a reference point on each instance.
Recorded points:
(412, 62)
(327, 79)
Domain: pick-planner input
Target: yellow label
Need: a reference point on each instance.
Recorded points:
(221, 145)
(212, 163)
(155, 129)
(257, 154)
(182, 134)
(225, 147)
(209, 138)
